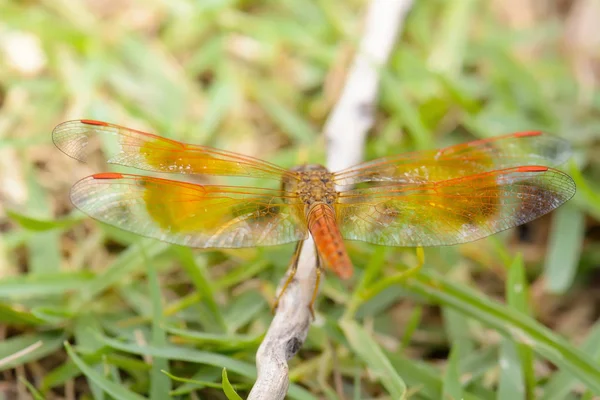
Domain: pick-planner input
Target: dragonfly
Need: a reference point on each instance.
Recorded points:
(449, 196)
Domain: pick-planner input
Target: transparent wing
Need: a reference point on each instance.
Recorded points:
(155, 153)
(517, 149)
(454, 211)
(204, 216)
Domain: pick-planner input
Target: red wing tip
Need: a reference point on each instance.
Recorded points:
(107, 175)
(533, 168)
(93, 122)
(528, 133)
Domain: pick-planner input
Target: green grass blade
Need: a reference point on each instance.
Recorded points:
(564, 248)
(184, 354)
(450, 45)
(516, 286)
(191, 381)
(199, 357)
(517, 295)
(288, 121)
(228, 389)
(160, 384)
(199, 277)
(412, 325)
(40, 224)
(369, 352)
(372, 270)
(220, 341)
(244, 309)
(82, 327)
(204, 377)
(112, 388)
(221, 96)
(34, 392)
(479, 363)
(42, 285)
(401, 105)
(424, 378)
(452, 388)
(562, 382)
(587, 198)
(9, 315)
(457, 330)
(128, 261)
(510, 386)
(43, 247)
(509, 322)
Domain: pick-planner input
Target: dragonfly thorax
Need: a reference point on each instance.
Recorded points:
(313, 185)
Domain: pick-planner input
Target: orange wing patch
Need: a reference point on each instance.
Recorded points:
(205, 216)
(518, 149)
(155, 153)
(453, 211)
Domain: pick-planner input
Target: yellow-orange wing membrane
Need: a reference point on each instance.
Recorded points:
(155, 153)
(509, 151)
(204, 216)
(451, 211)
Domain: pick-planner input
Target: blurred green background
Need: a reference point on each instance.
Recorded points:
(509, 317)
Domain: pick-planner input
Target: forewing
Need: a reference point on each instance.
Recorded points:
(155, 153)
(518, 149)
(453, 211)
(204, 216)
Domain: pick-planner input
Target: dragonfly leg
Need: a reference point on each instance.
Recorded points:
(291, 274)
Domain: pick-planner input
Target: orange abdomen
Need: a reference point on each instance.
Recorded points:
(328, 239)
